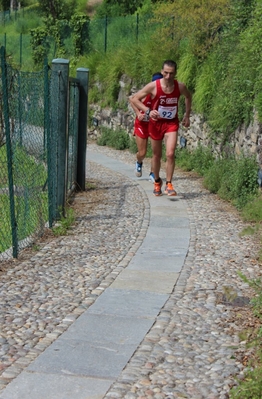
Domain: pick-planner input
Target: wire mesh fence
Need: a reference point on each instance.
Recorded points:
(39, 129)
(23, 169)
(98, 34)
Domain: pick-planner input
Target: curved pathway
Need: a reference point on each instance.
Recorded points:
(149, 315)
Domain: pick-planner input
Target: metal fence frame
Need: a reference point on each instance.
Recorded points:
(63, 149)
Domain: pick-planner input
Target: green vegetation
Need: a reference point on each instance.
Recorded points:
(118, 139)
(217, 46)
(251, 386)
(31, 202)
(65, 222)
(233, 179)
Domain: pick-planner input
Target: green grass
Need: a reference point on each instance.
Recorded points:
(63, 225)
(30, 215)
(117, 139)
(30, 201)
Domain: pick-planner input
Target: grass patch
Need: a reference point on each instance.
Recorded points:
(31, 213)
(30, 199)
(63, 225)
(252, 211)
(250, 387)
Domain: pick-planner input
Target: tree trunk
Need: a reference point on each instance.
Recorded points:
(13, 5)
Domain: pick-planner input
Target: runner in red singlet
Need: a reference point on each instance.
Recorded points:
(141, 131)
(164, 122)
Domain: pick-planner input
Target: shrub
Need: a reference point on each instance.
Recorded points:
(183, 159)
(252, 211)
(215, 175)
(117, 139)
(240, 181)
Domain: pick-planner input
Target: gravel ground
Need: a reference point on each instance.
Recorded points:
(193, 350)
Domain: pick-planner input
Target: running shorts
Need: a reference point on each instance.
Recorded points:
(158, 128)
(141, 129)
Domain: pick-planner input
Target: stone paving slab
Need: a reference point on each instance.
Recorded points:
(164, 209)
(126, 302)
(106, 329)
(83, 358)
(153, 262)
(55, 386)
(151, 281)
(169, 240)
(171, 221)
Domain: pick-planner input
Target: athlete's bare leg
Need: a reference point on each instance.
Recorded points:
(156, 158)
(170, 143)
(141, 149)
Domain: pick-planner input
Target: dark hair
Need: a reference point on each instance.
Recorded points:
(156, 76)
(170, 63)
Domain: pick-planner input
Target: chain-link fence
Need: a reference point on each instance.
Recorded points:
(38, 150)
(23, 171)
(102, 35)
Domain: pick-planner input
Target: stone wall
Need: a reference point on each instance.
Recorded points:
(246, 139)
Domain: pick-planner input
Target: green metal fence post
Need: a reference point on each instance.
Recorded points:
(60, 79)
(82, 76)
(21, 44)
(105, 33)
(9, 155)
(137, 26)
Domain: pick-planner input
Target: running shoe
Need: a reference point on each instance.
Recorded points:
(138, 169)
(152, 177)
(157, 188)
(169, 190)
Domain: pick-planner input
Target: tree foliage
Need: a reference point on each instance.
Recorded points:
(200, 22)
(4, 5)
(112, 8)
(58, 9)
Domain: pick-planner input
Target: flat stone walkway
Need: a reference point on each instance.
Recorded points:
(156, 326)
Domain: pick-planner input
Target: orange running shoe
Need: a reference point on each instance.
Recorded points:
(157, 188)
(169, 190)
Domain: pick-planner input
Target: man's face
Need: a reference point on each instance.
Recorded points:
(168, 73)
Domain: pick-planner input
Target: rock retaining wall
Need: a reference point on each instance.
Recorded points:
(246, 139)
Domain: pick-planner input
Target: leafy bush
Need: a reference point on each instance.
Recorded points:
(252, 211)
(240, 182)
(183, 159)
(215, 175)
(132, 145)
(200, 160)
(117, 139)
(234, 180)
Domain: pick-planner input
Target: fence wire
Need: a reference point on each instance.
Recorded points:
(39, 128)
(23, 166)
(72, 134)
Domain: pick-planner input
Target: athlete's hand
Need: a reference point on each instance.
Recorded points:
(140, 116)
(154, 114)
(186, 121)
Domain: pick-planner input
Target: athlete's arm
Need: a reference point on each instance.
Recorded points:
(139, 115)
(188, 101)
(137, 98)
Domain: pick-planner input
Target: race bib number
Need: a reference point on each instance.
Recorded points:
(167, 112)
